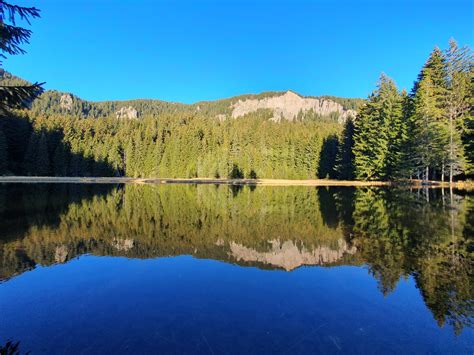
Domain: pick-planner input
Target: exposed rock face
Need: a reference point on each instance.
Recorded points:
(65, 102)
(288, 105)
(127, 112)
(288, 256)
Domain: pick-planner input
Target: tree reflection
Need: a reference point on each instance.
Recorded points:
(11, 348)
(401, 233)
(397, 233)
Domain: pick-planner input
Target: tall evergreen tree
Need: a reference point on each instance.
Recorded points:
(12, 37)
(428, 133)
(345, 156)
(428, 136)
(59, 161)
(396, 127)
(328, 158)
(75, 165)
(435, 68)
(3, 153)
(378, 135)
(43, 162)
(31, 155)
(407, 169)
(458, 103)
(468, 134)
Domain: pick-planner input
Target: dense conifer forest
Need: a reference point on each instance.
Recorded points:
(426, 133)
(169, 145)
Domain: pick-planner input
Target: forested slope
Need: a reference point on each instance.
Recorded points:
(63, 135)
(427, 133)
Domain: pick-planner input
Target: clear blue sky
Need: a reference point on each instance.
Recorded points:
(200, 50)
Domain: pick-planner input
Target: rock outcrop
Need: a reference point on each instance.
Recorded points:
(127, 112)
(288, 105)
(288, 256)
(65, 102)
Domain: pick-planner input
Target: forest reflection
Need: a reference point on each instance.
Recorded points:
(396, 233)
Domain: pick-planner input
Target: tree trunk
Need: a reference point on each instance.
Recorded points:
(451, 148)
(442, 194)
(442, 172)
(451, 196)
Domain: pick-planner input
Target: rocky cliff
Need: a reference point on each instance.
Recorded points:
(66, 102)
(288, 105)
(127, 112)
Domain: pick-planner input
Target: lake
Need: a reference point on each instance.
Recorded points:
(216, 269)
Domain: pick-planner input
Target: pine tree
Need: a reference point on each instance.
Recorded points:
(428, 137)
(43, 162)
(435, 68)
(328, 158)
(345, 156)
(428, 118)
(11, 39)
(60, 163)
(407, 168)
(3, 153)
(129, 160)
(31, 155)
(75, 165)
(396, 127)
(17, 130)
(458, 103)
(468, 133)
(378, 133)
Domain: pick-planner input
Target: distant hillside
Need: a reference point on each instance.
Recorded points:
(54, 102)
(7, 79)
(279, 105)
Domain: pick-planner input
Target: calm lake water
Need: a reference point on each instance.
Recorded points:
(219, 269)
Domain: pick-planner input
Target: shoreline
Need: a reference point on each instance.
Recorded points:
(261, 182)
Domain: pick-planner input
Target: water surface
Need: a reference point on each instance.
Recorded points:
(219, 269)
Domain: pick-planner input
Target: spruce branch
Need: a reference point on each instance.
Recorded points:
(16, 97)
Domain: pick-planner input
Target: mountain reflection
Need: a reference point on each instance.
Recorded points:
(396, 233)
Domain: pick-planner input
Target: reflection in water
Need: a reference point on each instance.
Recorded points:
(399, 233)
(11, 348)
(289, 256)
(396, 233)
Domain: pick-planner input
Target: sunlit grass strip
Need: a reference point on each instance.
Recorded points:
(264, 182)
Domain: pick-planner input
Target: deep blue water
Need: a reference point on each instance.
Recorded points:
(102, 298)
(181, 304)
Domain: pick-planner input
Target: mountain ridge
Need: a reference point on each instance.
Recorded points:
(288, 105)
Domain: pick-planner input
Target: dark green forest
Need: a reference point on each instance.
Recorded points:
(426, 133)
(168, 145)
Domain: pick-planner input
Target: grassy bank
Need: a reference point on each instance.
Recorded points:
(266, 182)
